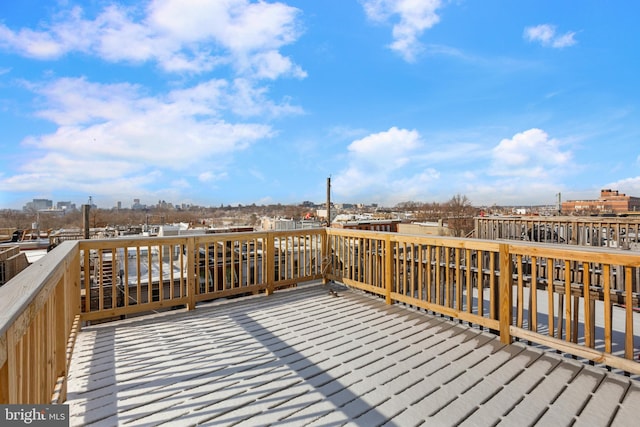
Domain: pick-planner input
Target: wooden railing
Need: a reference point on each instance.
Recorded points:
(580, 301)
(12, 262)
(39, 317)
(126, 276)
(577, 300)
(612, 232)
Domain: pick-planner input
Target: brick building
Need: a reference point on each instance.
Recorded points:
(610, 202)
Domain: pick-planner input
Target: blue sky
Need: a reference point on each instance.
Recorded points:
(237, 101)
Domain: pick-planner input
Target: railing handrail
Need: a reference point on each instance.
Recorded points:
(18, 293)
(38, 321)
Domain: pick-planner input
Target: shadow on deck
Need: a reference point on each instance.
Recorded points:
(306, 357)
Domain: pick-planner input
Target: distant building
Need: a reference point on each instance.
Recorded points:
(137, 205)
(38, 205)
(610, 202)
(283, 224)
(425, 228)
(66, 206)
(344, 205)
(355, 223)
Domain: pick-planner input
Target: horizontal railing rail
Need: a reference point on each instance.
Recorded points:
(581, 301)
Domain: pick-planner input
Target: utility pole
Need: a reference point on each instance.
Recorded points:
(85, 220)
(329, 202)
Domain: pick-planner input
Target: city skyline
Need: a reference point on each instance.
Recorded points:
(242, 102)
(42, 205)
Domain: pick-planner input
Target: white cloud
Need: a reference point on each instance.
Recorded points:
(127, 133)
(629, 186)
(385, 163)
(120, 134)
(179, 35)
(246, 100)
(239, 25)
(30, 43)
(209, 176)
(413, 18)
(271, 65)
(529, 154)
(510, 192)
(545, 34)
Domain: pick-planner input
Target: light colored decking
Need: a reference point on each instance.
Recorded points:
(304, 357)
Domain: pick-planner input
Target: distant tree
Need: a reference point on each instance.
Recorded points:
(94, 215)
(408, 206)
(460, 215)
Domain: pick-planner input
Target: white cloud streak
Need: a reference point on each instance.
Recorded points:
(546, 35)
(412, 18)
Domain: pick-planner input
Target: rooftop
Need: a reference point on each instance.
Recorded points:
(236, 328)
(307, 357)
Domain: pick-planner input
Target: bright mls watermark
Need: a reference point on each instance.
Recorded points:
(34, 415)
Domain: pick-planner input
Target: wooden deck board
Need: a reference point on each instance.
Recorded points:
(490, 388)
(603, 407)
(304, 357)
(628, 410)
(572, 399)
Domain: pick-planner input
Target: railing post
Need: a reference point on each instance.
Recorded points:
(62, 328)
(505, 286)
(270, 252)
(4, 372)
(326, 255)
(192, 278)
(388, 268)
(12, 371)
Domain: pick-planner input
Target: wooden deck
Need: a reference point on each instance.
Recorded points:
(305, 357)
